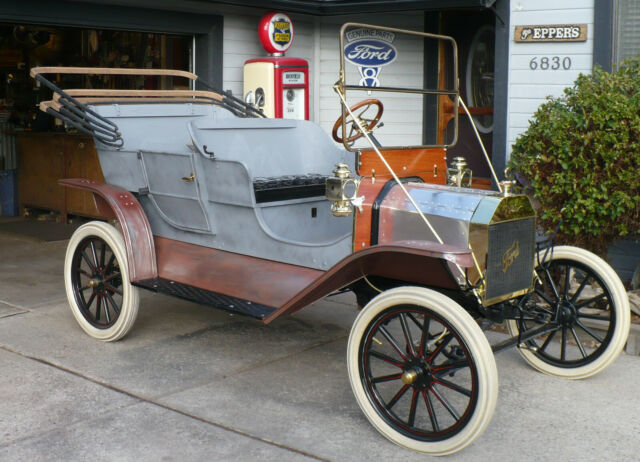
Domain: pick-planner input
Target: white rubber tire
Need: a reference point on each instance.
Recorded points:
(620, 302)
(478, 347)
(130, 298)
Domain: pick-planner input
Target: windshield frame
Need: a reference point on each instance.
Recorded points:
(342, 86)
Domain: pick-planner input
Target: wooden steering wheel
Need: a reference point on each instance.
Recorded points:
(354, 131)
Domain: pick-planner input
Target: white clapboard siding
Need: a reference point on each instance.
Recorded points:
(526, 105)
(529, 88)
(557, 48)
(540, 92)
(544, 77)
(240, 42)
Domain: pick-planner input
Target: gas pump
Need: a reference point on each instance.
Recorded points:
(276, 84)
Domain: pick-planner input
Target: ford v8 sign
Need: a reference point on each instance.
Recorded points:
(370, 50)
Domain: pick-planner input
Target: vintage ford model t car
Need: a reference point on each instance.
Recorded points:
(212, 202)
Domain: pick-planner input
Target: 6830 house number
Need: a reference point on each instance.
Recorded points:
(550, 63)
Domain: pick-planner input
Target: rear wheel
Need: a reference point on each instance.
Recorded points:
(582, 299)
(422, 371)
(96, 276)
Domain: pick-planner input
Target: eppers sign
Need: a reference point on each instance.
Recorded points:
(551, 33)
(370, 50)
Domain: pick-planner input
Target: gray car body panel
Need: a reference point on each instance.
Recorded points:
(164, 143)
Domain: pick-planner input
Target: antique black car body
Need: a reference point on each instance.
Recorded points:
(214, 203)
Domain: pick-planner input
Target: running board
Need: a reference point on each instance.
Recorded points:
(206, 297)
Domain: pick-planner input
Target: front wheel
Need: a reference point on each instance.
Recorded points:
(582, 299)
(96, 277)
(422, 371)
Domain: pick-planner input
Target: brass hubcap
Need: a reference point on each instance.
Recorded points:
(409, 377)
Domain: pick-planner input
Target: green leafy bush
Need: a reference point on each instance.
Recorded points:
(581, 157)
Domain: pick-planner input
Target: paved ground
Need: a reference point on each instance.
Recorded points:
(193, 383)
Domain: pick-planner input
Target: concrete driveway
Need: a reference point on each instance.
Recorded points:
(193, 383)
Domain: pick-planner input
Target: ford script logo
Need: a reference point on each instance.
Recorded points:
(370, 53)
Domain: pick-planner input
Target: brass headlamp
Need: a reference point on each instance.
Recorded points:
(459, 175)
(341, 190)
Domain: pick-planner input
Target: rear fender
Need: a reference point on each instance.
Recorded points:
(415, 262)
(115, 202)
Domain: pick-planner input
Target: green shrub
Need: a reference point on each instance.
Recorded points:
(581, 156)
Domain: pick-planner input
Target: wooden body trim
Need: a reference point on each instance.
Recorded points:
(106, 95)
(93, 96)
(370, 190)
(254, 279)
(115, 202)
(101, 94)
(289, 288)
(428, 164)
(111, 71)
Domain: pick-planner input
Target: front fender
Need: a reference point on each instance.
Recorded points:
(415, 262)
(115, 202)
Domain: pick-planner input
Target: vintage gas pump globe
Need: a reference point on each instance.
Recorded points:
(235, 205)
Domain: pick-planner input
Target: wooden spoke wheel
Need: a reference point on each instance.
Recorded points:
(582, 298)
(422, 370)
(102, 299)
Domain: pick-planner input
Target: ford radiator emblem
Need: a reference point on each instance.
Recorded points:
(510, 256)
(370, 53)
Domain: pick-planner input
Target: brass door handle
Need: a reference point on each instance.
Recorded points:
(189, 178)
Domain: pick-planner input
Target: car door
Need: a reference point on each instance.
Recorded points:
(174, 190)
